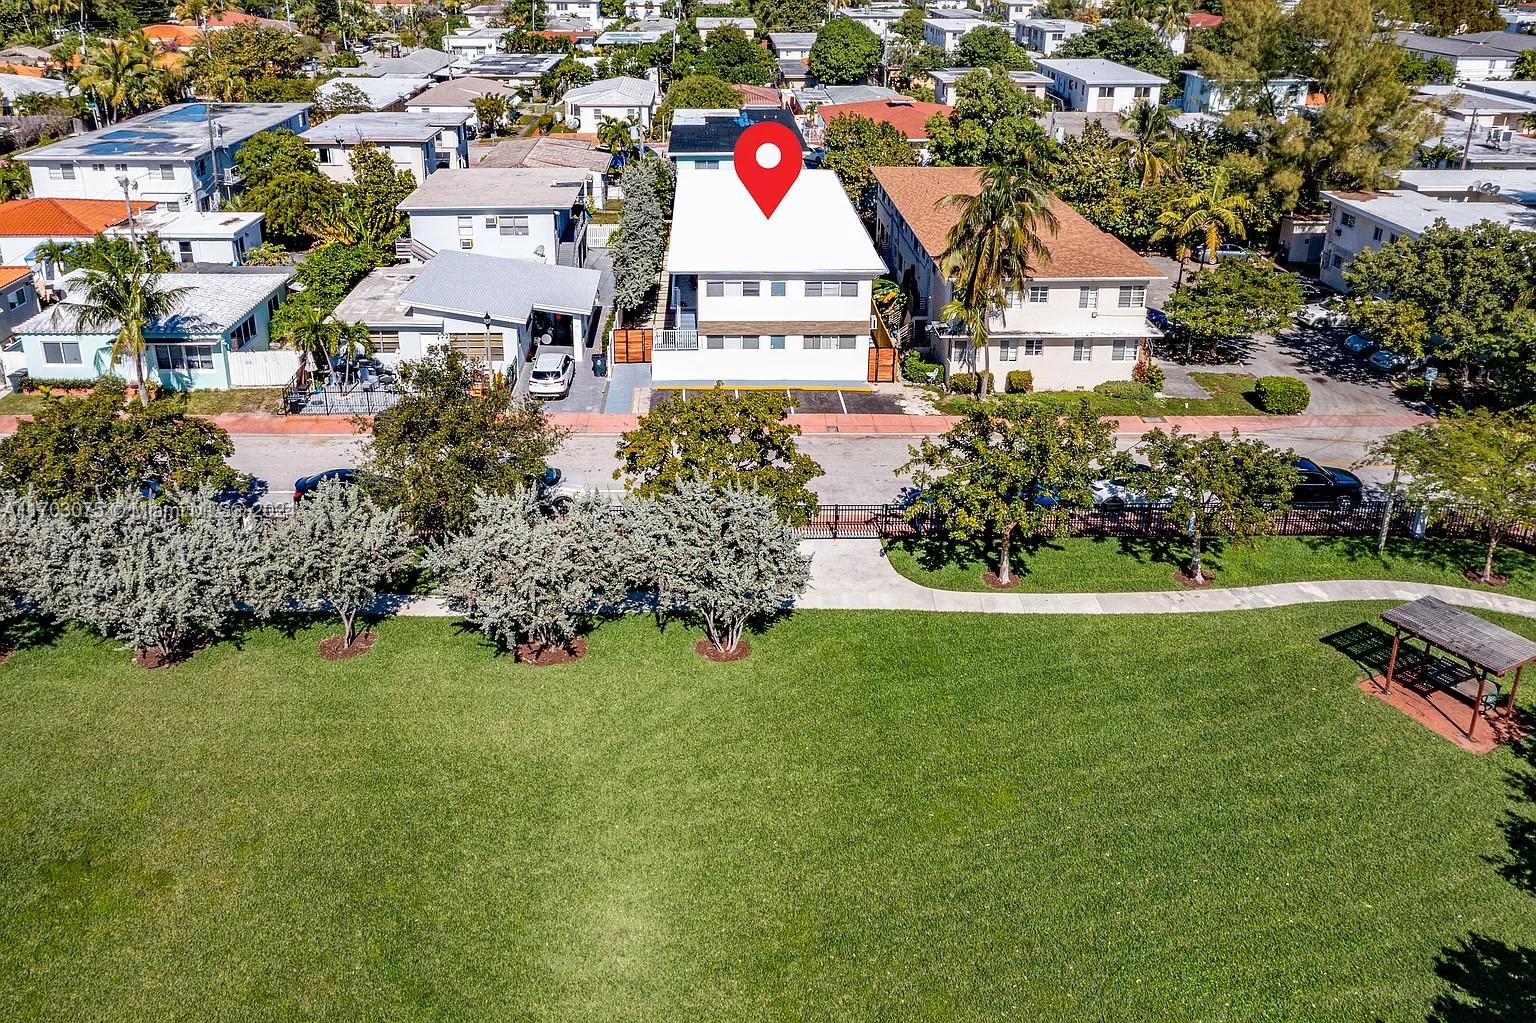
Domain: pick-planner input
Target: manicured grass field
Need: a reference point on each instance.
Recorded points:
(1120, 565)
(874, 817)
(1232, 394)
(201, 403)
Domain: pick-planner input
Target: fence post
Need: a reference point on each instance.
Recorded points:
(836, 513)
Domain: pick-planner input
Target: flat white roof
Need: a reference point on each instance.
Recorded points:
(1511, 185)
(717, 228)
(1415, 212)
(224, 224)
(1098, 71)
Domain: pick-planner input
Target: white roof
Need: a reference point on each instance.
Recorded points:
(961, 25)
(1098, 71)
(1512, 185)
(620, 91)
(212, 303)
(381, 92)
(718, 228)
(222, 225)
(1415, 212)
(13, 86)
(507, 289)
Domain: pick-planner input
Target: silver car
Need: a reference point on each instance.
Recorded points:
(552, 375)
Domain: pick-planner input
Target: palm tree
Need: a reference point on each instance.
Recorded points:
(1210, 215)
(125, 295)
(991, 247)
(617, 134)
(313, 330)
(121, 73)
(1151, 150)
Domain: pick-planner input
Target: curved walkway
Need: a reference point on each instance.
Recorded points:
(854, 575)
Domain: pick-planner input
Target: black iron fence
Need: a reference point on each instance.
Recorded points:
(891, 521)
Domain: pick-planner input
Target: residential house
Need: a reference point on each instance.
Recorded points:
(422, 63)
(801, 100)
(458, 95)
(466, 44)
(1369, 220)
(786, 301)
(420, 143)
(389, 93)
(489, 308)
(18, 299)
(877, 18)
(535, 213)
(215, 237)
(705, 26)
(1478, 56)
(906, 115)
(1203, 95)
(615, 99)
(946, 33)
(1454, 185)
(1045, 35)
(706, 139)
(944, 81)
(585, 11)
(565, 152)
(1081, 320)
(652, 29)
(791, 45)
(794, 73)
(1016, 12)
(486, 15)
(14, 87)
(643, 9)
(182, 156)
(1470, 104)
(1100, 86)
(522, 70)
(217, 339)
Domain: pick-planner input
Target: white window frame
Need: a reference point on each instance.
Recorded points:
(63, 353)
(1133, 296)
(1082, 350)
(1038, 294)
(1087, 297)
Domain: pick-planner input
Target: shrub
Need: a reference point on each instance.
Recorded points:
(1414, 389)
(1020, 381)
(919, 370)
(1149, 373)
(31, 384)
(1282, 396)
(1125, 390)
(968, 383)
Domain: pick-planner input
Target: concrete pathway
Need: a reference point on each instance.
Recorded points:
(855, 575)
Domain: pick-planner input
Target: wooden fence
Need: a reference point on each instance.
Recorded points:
(632, 345)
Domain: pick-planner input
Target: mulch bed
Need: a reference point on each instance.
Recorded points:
(704, 648)
(1187, 581)
(992, 581)
(331, 648)
(152, 659)
(541, 657)
(1475, 575)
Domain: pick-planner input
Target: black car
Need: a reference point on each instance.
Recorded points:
(305, 484)
(1326, 486)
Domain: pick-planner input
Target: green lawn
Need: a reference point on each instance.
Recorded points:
(1231, 395)
(202, 403)
(874, 817)
(1118, 565)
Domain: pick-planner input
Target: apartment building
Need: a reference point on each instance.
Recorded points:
(522, 213)
(422, 144)
(1100, 86)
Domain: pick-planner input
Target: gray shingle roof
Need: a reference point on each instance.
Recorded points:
(508, 289)
(213, 303)
(498, 188)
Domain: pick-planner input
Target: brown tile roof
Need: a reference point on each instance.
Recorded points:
(759, 96)
(907, 116)
(62, 218)
(1079, 251)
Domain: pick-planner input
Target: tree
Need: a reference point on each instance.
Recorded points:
(993, 122)
(248, 51)
(1209, 215)
(490, 112)
(335, 552)
(743, 440)
(1008, 468)
(1124, 41)
(1220, 487)
(640, 244)
(1417, 69)
(281, 180)
(1477, 462)
(992, 46)
(1454, 17)
(854, 146)
(1463, 295)
(1235, 298)
(439, 446)
(125, 295)
(697, 92)
(562, 76)
(616, 134)
(731, 57)
(160, 579)
(529, 578)
(1151, 151)
(36, 543)
(313, 330)
(910, 25)
(121, 74)
(845, 53)
(377, 190)
(790, 15)
(989, 250)
(15, 180)
(342, 98)
(104, 253)
(91, 448)
(721, 552)
(1525, 67)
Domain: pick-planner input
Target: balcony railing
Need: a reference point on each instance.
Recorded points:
(676, 341)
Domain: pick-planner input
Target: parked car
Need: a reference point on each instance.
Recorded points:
(307, 484)
(1326, 486)
(1157, 318)
(1227, 251)
(1391, 362)
(552, 375)
(1127, 491)
(1319, 314)
(1358, 344)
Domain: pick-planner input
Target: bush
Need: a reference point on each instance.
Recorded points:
(1125, 390)
(919, 370)
(30, 384)
(1282, 396)
(1020, 381)
(969, 383)
(1151, 374)
(1414, 389)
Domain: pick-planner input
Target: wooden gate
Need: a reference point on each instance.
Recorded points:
(632, 345)
(882, 365)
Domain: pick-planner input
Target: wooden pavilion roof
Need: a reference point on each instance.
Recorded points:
(1479, 642)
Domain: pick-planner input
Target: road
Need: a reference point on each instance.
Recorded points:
(859, 469)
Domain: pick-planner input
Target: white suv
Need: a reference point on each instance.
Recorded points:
(552, 375)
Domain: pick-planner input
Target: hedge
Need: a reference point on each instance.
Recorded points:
(1126, 390)
(1282, 396)
(1021, 381)
(966, 383)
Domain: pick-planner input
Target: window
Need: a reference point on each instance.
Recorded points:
(1348, 220)
(1038, 293)
(776, 342)
(751, 342)
(61, 353)
(812, 289)
(1376, 234)
(1124, 350)
(1143, 92)
(99, 167)
(706, 165)
(1338, 260)
(1133, 296)
(474, 345)
(62, 172)
(167, 172)
(184, 251)
(466, 243)
(322, 155)
(1082, 350)
(831, 289)
(751, 289)
(183, 358)
(119, 167)
(812, 342)
(1087, 298)
(776, 289)
(714, 289)
(1008, 350)
(466, 225)
(173, 207)
(273, 303)
(516, 226)
(1033, 346)
(490, 223)
(16, 299)
(1391, 239)
(714, 342)
(242, 334)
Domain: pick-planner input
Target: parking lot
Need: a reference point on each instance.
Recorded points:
(809, 401)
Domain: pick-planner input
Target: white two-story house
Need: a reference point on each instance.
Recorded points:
(1081, 321)
(524, 213)
(946, 33)
(420, 143)
(1045, 35)
(1100, 86)
(181, 156)
(575, 10)
(755, 300)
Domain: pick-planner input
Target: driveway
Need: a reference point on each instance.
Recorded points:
(588, 392)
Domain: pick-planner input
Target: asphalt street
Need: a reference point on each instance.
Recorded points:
(858, 469)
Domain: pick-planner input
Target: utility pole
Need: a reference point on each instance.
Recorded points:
(133, 238)
(213, 154)
(1466, 146)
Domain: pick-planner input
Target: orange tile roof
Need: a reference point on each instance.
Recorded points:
(759, 95)
(62, 218)
(1200, 19)
(172, 35)
(25, 70)
(13, 275)
(231, 18)
(906, 116)
(1079, 251)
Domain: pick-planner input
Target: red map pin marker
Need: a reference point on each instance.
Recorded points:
(767, 158)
